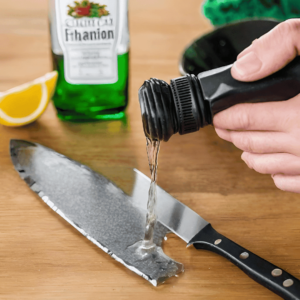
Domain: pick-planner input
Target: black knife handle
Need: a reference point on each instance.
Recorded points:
(275, 279)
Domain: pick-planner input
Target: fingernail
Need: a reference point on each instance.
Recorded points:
(244, 52)
(248, 64)
(243, 157)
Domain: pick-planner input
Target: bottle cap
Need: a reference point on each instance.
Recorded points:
(168, 109)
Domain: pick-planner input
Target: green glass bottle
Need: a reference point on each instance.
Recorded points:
(90, 42)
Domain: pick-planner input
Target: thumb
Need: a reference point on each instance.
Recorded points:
(269, 53)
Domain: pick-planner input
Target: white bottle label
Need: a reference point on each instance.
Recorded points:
(89, 33)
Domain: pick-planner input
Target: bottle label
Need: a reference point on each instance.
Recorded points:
(88, 34)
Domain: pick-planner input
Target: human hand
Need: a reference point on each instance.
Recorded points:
(268, 133)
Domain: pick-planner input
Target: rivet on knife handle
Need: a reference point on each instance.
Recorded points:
(260, 270)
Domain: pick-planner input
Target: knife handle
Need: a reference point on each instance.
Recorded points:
(275, 279)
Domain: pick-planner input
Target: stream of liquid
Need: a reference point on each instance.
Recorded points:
(146, 246)
(146, 251)
(152, 152)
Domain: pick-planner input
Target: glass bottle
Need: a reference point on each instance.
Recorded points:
(90, 43)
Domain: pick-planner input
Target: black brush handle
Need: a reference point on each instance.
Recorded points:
(270, 276)
(221, 91)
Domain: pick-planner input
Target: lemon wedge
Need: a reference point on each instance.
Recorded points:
(25, 103)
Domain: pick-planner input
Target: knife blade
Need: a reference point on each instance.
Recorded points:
(194, 230)
(97, 208)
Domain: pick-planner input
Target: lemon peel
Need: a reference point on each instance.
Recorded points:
(24, 104)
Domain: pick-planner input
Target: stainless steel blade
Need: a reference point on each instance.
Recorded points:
(173, 214)
(94, 206)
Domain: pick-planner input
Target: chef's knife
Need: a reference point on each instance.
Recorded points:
(194, 230)
(114, 221)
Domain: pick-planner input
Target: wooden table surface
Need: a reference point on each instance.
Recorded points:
(43, 257)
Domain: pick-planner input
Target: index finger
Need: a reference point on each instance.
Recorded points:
(270, 116)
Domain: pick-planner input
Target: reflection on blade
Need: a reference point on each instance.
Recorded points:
(173, 214)
(94, 206)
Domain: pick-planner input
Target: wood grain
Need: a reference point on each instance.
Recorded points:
(43, 257)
